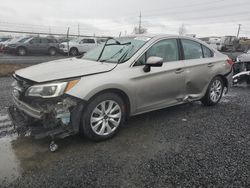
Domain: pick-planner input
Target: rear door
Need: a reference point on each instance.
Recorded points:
(34, 45)
(199, 62)
(162, 86)
(44, 45)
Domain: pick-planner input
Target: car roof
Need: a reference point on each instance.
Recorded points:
(159, 36)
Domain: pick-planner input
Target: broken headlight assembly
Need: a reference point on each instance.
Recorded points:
(50, 90)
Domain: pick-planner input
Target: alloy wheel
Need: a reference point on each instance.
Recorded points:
(106, 117)
(216, 91)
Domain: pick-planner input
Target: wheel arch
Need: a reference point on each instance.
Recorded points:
(22, 47)
(225, 81)
(73, 47)
(120, 93)
(52, 47)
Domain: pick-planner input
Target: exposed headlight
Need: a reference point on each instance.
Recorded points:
(50, 90)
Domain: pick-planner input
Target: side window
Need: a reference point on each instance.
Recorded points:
(44, 40)
(91, 41)
(191, 49)
(35, 40)
(52, 40)
(88, 41)
(207, 52)
(166, 49)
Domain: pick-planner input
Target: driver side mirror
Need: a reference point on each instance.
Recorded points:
(153, 62)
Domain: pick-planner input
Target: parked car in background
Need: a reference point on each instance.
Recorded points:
(13, 41)
(78, 46)
(41, 45)
(120, 78)
(214, 42)
(3, 41)
(242, 62)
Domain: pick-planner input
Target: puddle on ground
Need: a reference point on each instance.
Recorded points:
(9, 164)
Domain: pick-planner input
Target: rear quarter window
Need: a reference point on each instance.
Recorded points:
(207, 52)
(191, 49)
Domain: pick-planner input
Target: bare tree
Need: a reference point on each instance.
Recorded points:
(182, 30)
(138, 30)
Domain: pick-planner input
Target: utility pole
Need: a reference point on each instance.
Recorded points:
(238, 33)
(140, 23)
(68, 40)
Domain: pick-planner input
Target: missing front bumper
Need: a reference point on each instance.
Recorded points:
(57, 120)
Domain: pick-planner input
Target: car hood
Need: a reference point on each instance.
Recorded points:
(63, 69)
(244, 57)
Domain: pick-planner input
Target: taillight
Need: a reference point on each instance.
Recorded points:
(230, 62)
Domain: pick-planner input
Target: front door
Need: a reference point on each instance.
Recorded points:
(162, 86)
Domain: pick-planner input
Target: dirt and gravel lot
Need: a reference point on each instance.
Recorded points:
(10, 62)
(184, 146)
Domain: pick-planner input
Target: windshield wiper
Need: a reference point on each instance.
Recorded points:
(117, 53)
(116, 43)
(125, 54)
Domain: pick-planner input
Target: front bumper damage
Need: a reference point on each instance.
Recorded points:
(241, 77)
(56, 118)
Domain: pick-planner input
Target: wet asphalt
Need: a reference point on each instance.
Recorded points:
(183, 146)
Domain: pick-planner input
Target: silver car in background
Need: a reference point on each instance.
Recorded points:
(120, 78)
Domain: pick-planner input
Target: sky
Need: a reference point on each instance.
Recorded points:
(115, 17)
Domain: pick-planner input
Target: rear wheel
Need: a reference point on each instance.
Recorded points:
(214, 92)
(103, 117)
(52, 51)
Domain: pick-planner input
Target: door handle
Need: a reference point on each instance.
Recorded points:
(210, 65)
(178, 71)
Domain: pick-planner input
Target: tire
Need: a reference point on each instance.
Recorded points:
(52, 51)
(97, 125)
(21, 51)
(214, 92)
(74, 52)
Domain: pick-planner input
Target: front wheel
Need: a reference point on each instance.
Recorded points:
(214, 92)
(74, 52)
(103, 117)
(21, 51)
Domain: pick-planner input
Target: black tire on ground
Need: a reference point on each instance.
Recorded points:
(207, 100)
(74, 52)
(52, 51)
(21, 51)
(86, 128)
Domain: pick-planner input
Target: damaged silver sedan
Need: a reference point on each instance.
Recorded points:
(123, 77)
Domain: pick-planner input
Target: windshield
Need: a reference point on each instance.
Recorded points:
(4, 39)
(116, 50)
(23, 39)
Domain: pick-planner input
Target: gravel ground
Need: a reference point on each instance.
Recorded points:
(184, 146)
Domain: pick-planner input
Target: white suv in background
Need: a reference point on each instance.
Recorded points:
(78, 46)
